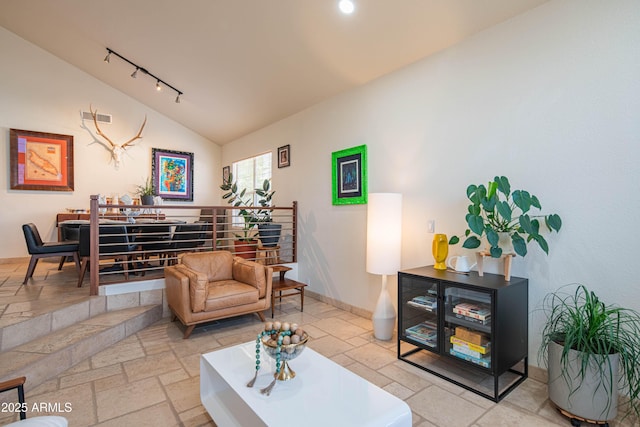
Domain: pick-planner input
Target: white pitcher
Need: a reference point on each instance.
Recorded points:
(461, 264)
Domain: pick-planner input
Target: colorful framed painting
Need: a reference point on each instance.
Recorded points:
(172, 173)
(40, 161)
(284, 156)
(349, 177)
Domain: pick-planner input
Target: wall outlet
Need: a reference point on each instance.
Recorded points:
(431, 226)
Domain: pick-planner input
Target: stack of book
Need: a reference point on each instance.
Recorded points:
(424, 333)
(475, 353)
(424, 301)
(473, 313)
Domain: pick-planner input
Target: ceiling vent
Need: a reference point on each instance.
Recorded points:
(102, 118)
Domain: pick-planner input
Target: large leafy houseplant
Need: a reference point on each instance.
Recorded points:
(495, 209)
(239, 199)
(588, 332)
(268, 231)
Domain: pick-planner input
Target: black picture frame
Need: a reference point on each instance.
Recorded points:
(284, 156)
(172, 173)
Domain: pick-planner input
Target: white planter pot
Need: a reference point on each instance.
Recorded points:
(590, 398)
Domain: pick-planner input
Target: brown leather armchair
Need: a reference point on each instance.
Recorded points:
(215, 285)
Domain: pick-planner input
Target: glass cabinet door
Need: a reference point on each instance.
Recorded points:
(419, 312)
(467, 325)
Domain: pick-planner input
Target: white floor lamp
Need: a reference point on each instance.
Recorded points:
(384, 234)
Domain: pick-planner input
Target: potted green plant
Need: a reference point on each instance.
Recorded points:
(497, 212)
(245, 244)
(268, 231)
(145, 191)
(593, 353)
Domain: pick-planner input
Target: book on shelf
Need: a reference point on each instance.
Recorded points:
(423, 330)
(473, 319)
(428, 342)
(425, 300)
(422, 305)
(483, 349)
(466, 350)
(473, 311)
(484, 361)
(471, 314)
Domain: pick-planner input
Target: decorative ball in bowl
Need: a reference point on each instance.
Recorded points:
(284, 342)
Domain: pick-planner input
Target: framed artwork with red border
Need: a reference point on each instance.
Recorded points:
(41, 161)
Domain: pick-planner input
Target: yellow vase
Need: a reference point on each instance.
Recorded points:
(440, 250)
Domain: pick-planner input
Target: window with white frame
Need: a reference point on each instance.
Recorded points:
(250, 174)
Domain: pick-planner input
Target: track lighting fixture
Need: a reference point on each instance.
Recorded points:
(143, 71)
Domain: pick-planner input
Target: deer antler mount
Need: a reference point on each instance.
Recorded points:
(116, 149)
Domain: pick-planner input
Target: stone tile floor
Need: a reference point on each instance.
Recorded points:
(152, 377)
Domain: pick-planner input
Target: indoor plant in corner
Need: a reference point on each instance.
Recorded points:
(505, 218)
(593, 353)
(245, 244)
(145, 191)
(268, 231)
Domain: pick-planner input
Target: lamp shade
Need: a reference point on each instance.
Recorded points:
(384, 233)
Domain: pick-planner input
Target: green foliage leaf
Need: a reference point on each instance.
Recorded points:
(492, 237)
(472, 242)
(543, 243)
(495, 251)
(522, 199)
(474, 209)
(525, 224)
(489, 204)
(493, 186)
(504, 210)
(519, 245)
(535, 202)
(553, 222)
(503, 185)
(476, 224)
(454, 240)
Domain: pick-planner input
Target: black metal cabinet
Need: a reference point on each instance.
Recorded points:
(467, 329)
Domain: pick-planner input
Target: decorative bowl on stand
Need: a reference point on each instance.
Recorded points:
(287, 352)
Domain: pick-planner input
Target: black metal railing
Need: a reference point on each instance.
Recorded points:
(135, 242)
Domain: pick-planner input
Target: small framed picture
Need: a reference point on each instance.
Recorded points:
(349, 176)
(284, 156)
(226, 171)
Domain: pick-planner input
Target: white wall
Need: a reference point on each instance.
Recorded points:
(550, 99)
(40, 92)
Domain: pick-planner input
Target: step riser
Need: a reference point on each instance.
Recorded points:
(39, 326)
(50, 365)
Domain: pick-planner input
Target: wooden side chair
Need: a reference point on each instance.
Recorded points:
(39, 249)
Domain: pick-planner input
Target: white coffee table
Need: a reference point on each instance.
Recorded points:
(323, 393)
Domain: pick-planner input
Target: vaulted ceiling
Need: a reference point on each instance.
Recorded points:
(243, 64)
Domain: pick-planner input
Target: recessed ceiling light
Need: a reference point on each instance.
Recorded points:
(346, 6)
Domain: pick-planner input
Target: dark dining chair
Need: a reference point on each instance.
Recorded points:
(113, 243)
(185, 238)
(39, 249)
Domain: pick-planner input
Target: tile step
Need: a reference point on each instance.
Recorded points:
(24, 325)
(44, 358)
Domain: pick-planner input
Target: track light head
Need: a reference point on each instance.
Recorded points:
(108, 57)
(158, 87)
(178, 98)
(135, 73)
